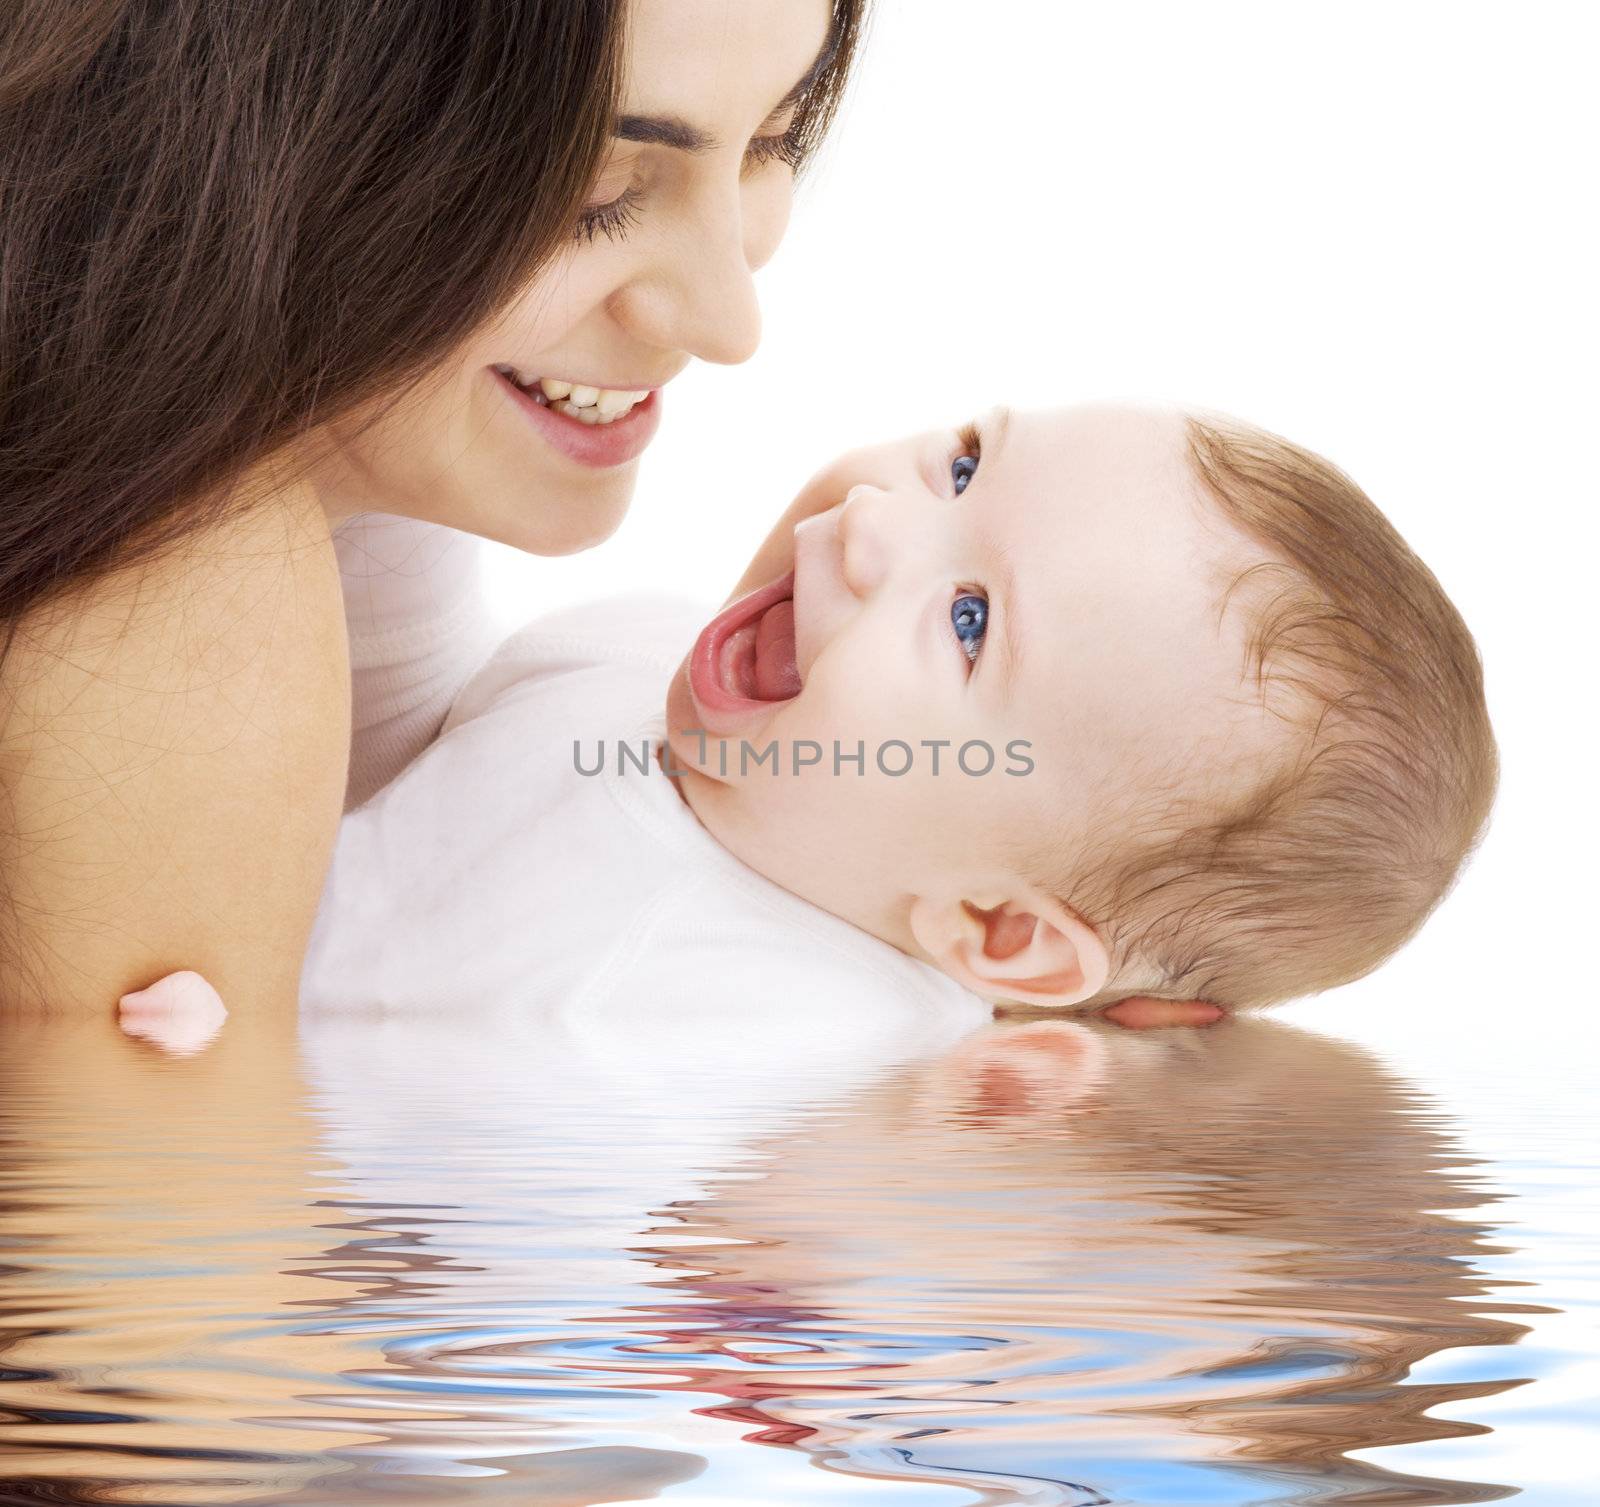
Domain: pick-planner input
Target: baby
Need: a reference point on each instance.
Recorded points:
(1057, 709)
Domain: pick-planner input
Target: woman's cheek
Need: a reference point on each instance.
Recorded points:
(548, 308)
(769, 198)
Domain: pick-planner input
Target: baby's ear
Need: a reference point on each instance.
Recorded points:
(1026, 947)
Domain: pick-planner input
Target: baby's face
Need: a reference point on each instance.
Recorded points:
(1040, 599)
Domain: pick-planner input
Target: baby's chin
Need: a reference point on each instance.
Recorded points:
(696, 747)
(680, 713)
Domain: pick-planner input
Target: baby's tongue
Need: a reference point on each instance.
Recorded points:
(777, 676)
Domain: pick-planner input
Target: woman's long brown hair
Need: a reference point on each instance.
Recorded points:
(223, 224)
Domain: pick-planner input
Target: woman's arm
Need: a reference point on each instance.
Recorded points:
(419, 625)
(173, 760)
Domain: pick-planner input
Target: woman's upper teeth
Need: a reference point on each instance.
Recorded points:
(609, 400)
(590, 405)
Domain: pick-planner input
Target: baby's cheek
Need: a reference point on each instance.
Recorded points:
(777, 552)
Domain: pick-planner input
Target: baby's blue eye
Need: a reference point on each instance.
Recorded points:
(969, 616)
(962, 469)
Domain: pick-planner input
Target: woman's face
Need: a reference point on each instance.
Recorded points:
(692, 198)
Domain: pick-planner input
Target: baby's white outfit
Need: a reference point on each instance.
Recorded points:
(494, 871)
(419, 624)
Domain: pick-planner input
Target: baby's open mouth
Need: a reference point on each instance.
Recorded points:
(745, 656)
(758, 658)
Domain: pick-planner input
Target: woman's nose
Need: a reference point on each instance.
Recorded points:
(701, 296)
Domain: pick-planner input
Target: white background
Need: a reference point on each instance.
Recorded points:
(1365, 225)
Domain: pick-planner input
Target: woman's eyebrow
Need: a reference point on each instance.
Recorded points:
(674, 131)
(662, 131)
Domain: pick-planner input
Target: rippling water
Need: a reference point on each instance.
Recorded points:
(1045, 1264)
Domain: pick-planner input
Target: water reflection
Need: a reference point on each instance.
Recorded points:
(506, 1261)
(1180, 1268)
(153, 1216)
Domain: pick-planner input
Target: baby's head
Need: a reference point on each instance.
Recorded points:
(1090, 703)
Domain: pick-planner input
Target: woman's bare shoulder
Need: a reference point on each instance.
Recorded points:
(172, 765)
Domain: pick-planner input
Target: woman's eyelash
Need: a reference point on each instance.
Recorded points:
(616, 219)
(971, 441)
(613, 220)
(764, 149)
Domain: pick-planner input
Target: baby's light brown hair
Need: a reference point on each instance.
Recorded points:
(1322, 867)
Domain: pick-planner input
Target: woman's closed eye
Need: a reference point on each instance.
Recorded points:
(784, 148)
(616, 217)
(613, 219)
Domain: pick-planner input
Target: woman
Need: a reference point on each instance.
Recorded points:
(264, 268)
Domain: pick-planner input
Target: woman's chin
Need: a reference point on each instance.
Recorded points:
(539, 523)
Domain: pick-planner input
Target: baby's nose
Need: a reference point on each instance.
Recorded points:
(864, 538)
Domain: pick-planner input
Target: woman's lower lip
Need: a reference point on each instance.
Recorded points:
(597, 445)
(719, 709)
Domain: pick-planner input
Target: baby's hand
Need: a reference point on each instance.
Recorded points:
(179, 1014)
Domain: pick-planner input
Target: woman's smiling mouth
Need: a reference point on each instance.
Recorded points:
(589, 405)
(595, 426)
